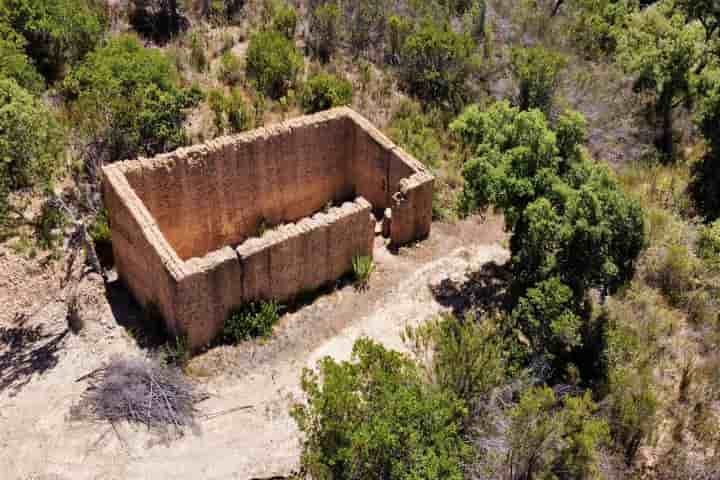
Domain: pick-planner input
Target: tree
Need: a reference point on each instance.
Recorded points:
(127, 101)
(16, 64)
(272, 62)
(435, 63)
(545, 440)
(572, 228)
(661, 49)
(56, 32)
(324, 90)
(537, 72)
(30, 143)
(705, 185)
(323, 29)
(375, 417)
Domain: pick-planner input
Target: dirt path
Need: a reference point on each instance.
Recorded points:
(260, 440)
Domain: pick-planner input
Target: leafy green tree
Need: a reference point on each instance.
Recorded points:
(465, 356)
(661, 49)
(56, 32)
(127, 101)
(273, 62)
(537, 73)
(705, 186)
(545, 441)
(15, 63)
(30, 143)
(593, 24)
(375, 417)
(435, 63)
(285, 20)
(325, 90)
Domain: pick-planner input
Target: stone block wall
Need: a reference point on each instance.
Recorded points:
(186, 224)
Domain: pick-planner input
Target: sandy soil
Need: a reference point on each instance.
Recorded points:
(245, 431)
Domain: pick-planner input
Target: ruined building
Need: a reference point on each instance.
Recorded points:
(266, 214)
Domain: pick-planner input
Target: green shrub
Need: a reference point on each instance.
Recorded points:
(158, 19)
(537, 72)
(375, 417)
(436, 62)
(15, 62)
(49, 221)
(127, 101)
(198, 49)
(673, 269)
(273, 63)
(363, 267)
(230, 70)
(324, 90)
(176, 351)
(57, 33)
(708, 244)
(416, 132)
(100, 227)
(323, 30)
(30, 139)
(285, 20)
(255, 319)
(231, 112)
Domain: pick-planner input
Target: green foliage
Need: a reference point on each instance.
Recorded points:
(537, 73)
(708, 244)
(544, 440)
(705, 186)
(49, 221)
(465, 356)
(100, 227)
(176, 351)
(435, 63)
(547, 314)
(273, 63)
(254, 319)
(230, 70)
(15, 62)
(232, 113)
(127, 101)
(363, 267)
(56, 32)
(661, 49)
(375, 417)
(198, 47)
(324, 90)
(416, 132)
(285, 20)
(30, 143)
(593, 24)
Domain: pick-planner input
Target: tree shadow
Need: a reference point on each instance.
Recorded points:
(484, 290)
(26, 351)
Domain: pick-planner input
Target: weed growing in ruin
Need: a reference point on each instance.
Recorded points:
(363, 267)
(176, 352)
(255, 319)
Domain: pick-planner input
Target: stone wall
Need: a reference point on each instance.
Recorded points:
(185, 224)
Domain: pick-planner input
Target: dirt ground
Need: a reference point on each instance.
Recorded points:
(245, 431)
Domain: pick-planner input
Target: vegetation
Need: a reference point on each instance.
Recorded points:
(272, 63)
(255, 319)
(323, 91)
(363, 268)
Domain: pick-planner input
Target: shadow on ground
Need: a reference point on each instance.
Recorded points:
(144, 325)
(484, 290)
(25, 352)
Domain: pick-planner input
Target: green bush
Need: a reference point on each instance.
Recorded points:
(416, 132)
(285, 20)
(58, 33)
(708, 244)
(363, 267)
(323, 30)
(324, 90)
(198, 49)
(230, 70)
(15, 62)
(273, 63)
(537, 72)
(127, 101)
(30, 139)
(158, 19)
(232, 113)
(100, 227)
(49, 221)
(255, 319)
(375, 417)
(435, 62)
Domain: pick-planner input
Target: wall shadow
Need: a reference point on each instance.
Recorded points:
(144, 325)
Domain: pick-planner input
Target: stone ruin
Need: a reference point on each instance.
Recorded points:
(266, 214)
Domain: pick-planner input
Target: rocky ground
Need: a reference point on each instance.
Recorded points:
(244, 430)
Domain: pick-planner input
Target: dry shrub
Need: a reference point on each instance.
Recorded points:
(138, 390)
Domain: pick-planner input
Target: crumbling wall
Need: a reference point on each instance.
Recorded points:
(185, 224)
